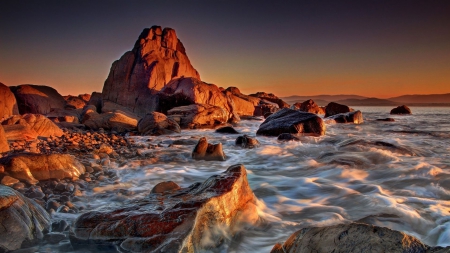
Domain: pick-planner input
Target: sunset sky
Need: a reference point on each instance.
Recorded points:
(369, 48)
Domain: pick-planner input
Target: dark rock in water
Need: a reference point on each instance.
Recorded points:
(226, 130)
(349, 117)
(177, 222)
(335, 108)
(22, 221)
(287, 137)
(163, 187)
(207, 151)
(246, 142)
(354, 237)
(291, 121)
(198, 116)
(403, 109)
(386, 119)
(156, 123)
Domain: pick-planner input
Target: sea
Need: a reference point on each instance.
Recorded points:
(390, 174)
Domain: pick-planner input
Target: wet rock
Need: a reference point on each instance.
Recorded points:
(9, 181)
(354, 237)
(4, 145)
(179, 223)
(33, 167)
(291, 121)
(287, 137)
(8, 103)
(54, 238)
(163, 187)
(156, 123)
(403, 109)
(246, 142)
(226, 130)
(349, 117)
(198, 116)
(207, 151)
(387, 119)
(22, 221)
(60, 226)
(335, 108)
(37, 99)
(308, 106)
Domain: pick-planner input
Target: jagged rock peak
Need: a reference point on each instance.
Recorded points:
(166, 38)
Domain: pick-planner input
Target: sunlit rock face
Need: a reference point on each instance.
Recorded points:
(30, 125)
(158, 57)
(37, 99)
(191, 219)
(349, 117)
(198, 116)
(8, 103)
(22, 221)
(33, 167)
(354, 237)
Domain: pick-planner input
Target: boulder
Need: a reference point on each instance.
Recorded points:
(37, 99)
(403, 109)
(19, 132)
(96, 100)
(22, 221)
(335, 108)
(118, 121)
(206, 151)
(353, 237)
(198, 116)
(33, 167)
(226, 130)
(65, 115)
(40, 124)
(192, 219)
(291, 121)
(4, 146)
(73, 102)
(349, 117)
(8, 103)
(156, 123)
(158, 57)
(243, 105)
(272, 98)
(265, 107)
(246, 141)
(165, 187)
(310, 106)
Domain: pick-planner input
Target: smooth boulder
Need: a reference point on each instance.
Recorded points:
(156, 123)
(207, 151)
(8, 102)
(198, 116)
(118, 121)
(37, 99)
(349, 117)
(291, 121)
(38, 124)
(403, 109)
(335, 108)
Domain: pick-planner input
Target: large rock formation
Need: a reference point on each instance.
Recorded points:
(158, 57)
(354, 237)
(8, 103)
(39, 124)
(22, 221)
(156, 123)
(184, 220)
(116, 120)
(198, 116)
(37, 99)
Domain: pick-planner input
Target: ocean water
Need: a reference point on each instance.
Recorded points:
(391, 174)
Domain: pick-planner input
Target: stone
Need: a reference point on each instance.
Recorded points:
(158, 57)
(9, 181)
(198, 116)
(4, 146)
(226, 130)
(335, 108)
(22, 221)
(8, 103)
(37, 99)
(272, 98)
(291, 121)
(65, 115)
(156, 123)
(403, 109)
(265, 108)
(33, 167)
(96, 100)
(206, 151)
(246, 141)
(19, 132)
(349, 117)
(163, 187)
(353, 237)
(118, 121)
(287, 137)
(40, 124)
(244, 105)
(310, 106)
(73, 102)
(188, 220)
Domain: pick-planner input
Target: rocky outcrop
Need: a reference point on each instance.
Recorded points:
(76, 102)
(37, 99)
(403, 109)
(158, 57)
(206, 151)
(272, 98)
(246, 141)
(8, 103)
(40, 124)
(354, 237)
(33, 167)
(156, 123)
(335, 108)
(4, 146)
(22, 221)
(310, 106)
(349, 117)
(118, 121)
(187, 220)
(291, 121)
(198, 116)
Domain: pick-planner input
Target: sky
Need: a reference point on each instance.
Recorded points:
(370, 48)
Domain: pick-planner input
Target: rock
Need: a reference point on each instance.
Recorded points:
(163, 187)
(246, 142)
(403, 109)
(156, 123)
(206, 151)
(386, 119)
(349, 117)
(287, 137)
(37, 99)
(265, 108)
(189, 220)
(73, 102)
(158, 57)
(96, 100)
(118, 121)
(33, 167)
(19, 132)
(4, 146)
(353, 237)
(22, 221)
(310, 106)
(291, 121)
(36, 122)
(64, 115)
(335, 108)
(226, 130)
(243, 105)
(198, 116)
(272, 98)
(9, 181)
(8, 103)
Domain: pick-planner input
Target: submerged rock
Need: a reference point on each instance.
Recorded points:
(349, 117)
(403, 109)
(226, 130)
(198, 116)
(335, 108)
(387, 119)
(156, 123)
(189, 220)
(207, 151)
(291, 121)
(354, 237)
